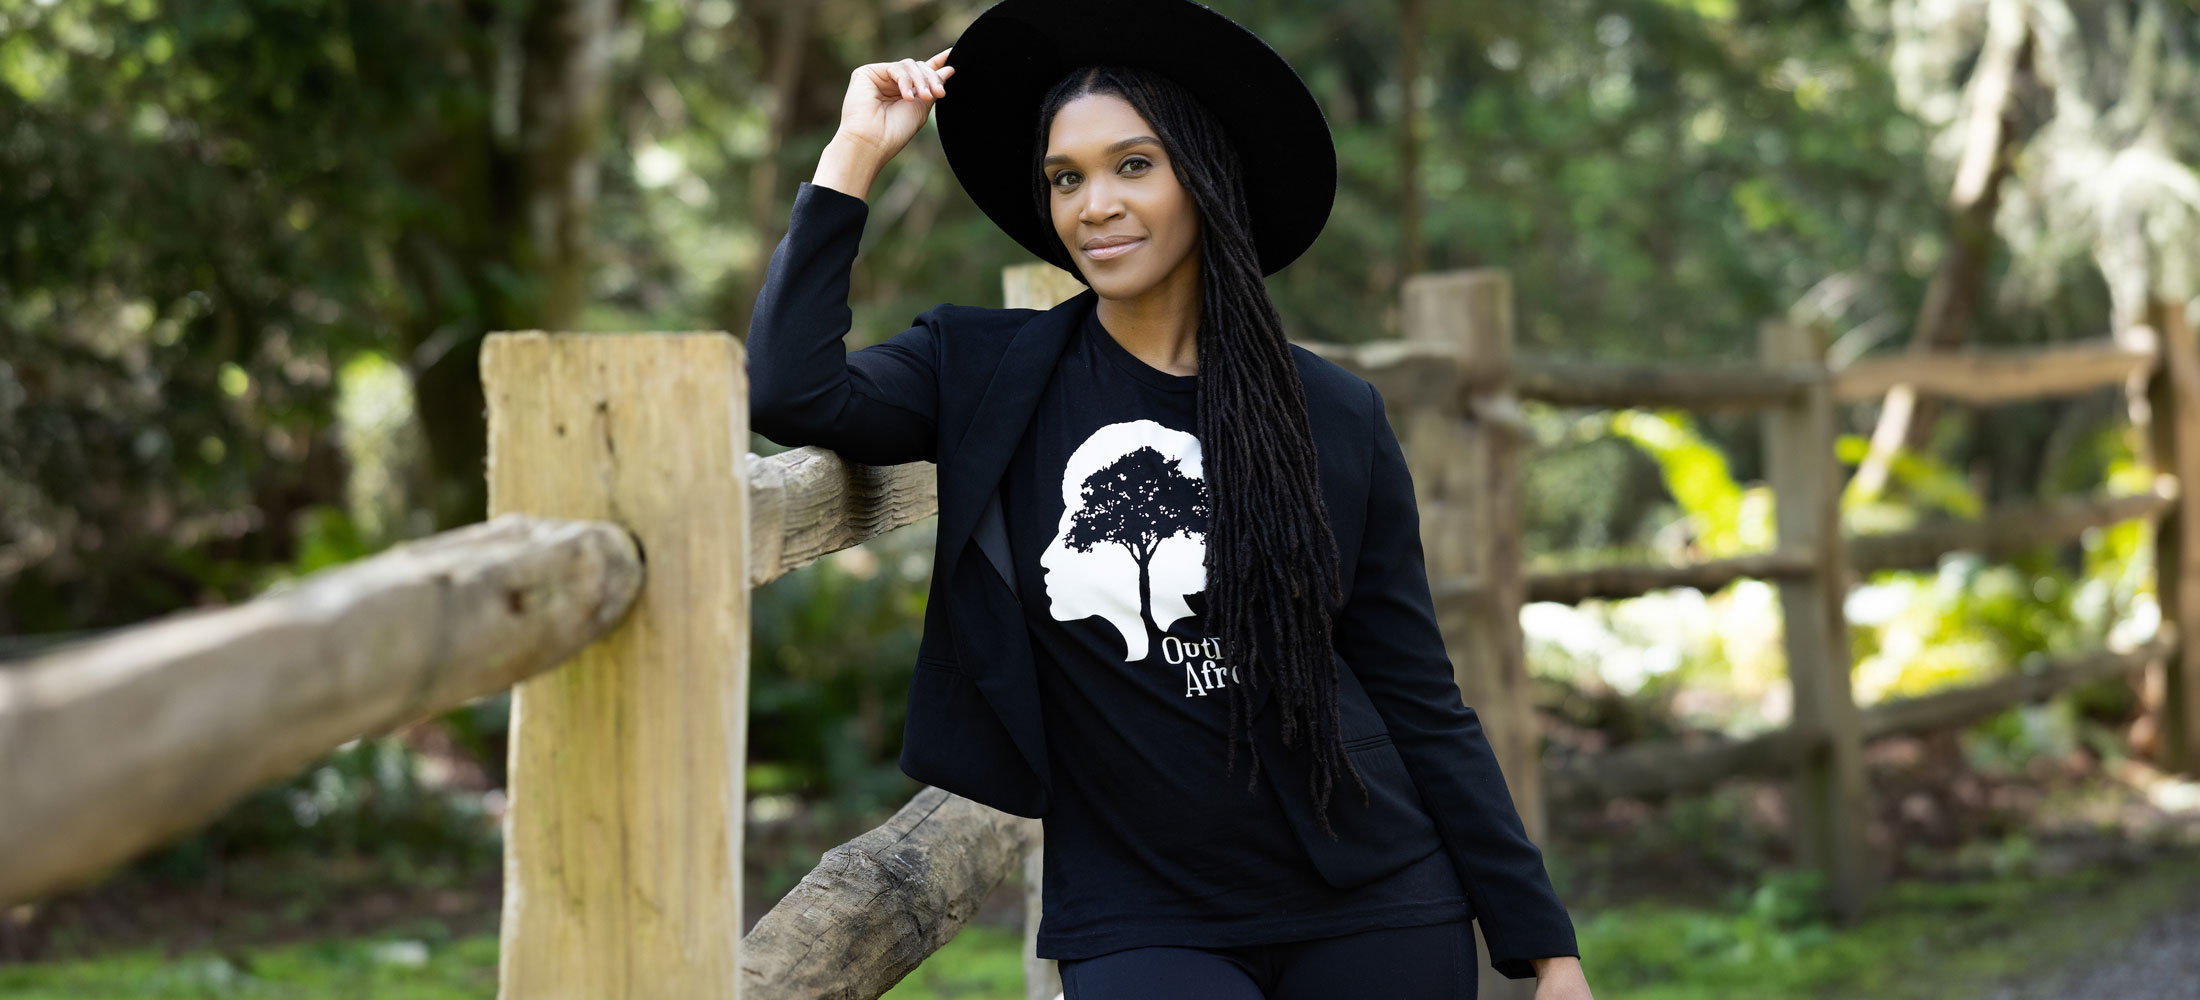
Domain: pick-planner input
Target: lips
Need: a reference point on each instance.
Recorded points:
(1113, 250)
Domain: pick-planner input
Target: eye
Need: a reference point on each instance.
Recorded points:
(1142, 163)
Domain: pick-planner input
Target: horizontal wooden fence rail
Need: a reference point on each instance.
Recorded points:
(2007, 530)
(1977, 376)
(1601, 385)
(117, 745)
(2044, 677)
(1986, 376)
(1408, 373)
(1665, 767)
(808, 503)
(1612, 582)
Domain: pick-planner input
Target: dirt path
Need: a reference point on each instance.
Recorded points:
(2161, 961)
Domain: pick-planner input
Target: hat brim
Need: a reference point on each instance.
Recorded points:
(1013, 52)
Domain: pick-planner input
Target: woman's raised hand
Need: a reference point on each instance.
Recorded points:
(888, 101)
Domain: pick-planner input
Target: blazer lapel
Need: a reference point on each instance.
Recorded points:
(970, 490)
(1000, 661)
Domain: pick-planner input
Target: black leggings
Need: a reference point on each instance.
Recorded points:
(1433, 962)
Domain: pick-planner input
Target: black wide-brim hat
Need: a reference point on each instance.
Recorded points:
(1007, 59)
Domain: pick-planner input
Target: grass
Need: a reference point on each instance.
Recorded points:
(380, 968)
(1921, 940)
(982, 961)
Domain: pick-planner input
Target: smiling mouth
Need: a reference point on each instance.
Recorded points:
(1118, 250)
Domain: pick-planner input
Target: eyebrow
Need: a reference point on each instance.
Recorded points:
(1112, 149)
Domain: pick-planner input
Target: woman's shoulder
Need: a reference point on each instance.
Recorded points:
(1332, 387)
(954, 315)
(973, 337)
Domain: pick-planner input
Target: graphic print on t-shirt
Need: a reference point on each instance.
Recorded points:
(1131, 547)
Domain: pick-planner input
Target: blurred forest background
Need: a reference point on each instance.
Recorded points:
(249, 249)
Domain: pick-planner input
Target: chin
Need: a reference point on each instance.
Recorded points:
(1116, 286)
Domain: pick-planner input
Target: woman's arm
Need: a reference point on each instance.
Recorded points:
(1387, 634)
(878, 405)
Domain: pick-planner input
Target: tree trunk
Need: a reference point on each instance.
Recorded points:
(1951, 299)
(533, 195)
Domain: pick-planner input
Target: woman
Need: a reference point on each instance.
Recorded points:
(1081, 678)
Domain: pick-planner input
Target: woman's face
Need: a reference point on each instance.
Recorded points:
(1108, 178)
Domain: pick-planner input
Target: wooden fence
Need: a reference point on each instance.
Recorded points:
(610, 463)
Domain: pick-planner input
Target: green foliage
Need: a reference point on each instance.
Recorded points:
(327, 537)
(206, 208)
(1772, 938)
(1922, 483)
(832, 650)
(1727, 519)
(366, 798)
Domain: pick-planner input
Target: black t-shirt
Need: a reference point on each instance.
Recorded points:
(1147, 842)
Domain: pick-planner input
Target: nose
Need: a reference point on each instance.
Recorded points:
(1099, 203)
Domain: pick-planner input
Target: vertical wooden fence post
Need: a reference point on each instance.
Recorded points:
(1037, 286)
(1464, 456)
(2173, 436)
(622, 860)
(1829, 795)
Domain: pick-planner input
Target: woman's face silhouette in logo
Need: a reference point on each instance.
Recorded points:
(1131, 547)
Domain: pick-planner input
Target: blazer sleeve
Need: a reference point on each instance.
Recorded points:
(1388, 636)
(878, 405)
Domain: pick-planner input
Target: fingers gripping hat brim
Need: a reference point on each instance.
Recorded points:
(1007, 59)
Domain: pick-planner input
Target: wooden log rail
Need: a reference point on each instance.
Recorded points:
(1598, 385)
(1613, 582)
(2006, 531)
(248, 694)
(1666, 767)
(117, 745)
(877, 906)
(808, 503)
(1988, 376)
(1416, 374)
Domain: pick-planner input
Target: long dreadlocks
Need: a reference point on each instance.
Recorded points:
(1270, 555)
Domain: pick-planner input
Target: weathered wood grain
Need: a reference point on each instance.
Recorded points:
(808, 503)
(623, 849)
(877, 906)
(117, 745)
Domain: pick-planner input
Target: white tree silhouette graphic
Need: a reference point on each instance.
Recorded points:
(1139, 501)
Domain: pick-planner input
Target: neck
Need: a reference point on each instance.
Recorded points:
(1159, 326)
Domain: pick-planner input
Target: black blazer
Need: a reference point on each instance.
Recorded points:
(957, 389)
